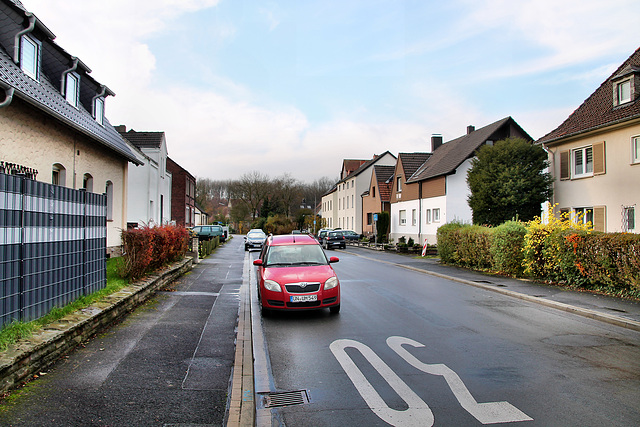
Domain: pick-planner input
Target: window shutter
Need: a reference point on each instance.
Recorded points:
(564, 165)
(598, 158)
(599, 218)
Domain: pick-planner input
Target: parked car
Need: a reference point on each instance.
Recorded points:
(334, 238)
(254, 239)
(351, 235)
(295, 274)
(321, 233)
(208, 232)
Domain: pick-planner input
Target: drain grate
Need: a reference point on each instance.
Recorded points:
(286, 398)
(483, 281)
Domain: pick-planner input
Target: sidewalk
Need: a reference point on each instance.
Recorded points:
(612, 310)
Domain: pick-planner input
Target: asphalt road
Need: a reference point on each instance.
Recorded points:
(413, 349)
(168, 363)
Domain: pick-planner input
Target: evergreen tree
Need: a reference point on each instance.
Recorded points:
(507, 181)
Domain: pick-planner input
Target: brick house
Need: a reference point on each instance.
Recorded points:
(377, 198)
(183, 195)
(595, 154)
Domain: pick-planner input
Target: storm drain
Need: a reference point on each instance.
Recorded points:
(286, 398)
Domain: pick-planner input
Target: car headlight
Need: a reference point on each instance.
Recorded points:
(270, 285)
(331, 283)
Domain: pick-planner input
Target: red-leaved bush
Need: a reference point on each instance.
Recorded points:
(150, 247)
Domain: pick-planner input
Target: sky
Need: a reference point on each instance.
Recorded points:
(295, 87)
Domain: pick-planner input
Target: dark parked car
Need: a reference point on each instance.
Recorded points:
(254, 239)
(334, 238)
(295, 274)
(208, 232)
(351, 235)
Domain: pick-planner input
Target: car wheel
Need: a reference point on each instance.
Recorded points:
(335, 309)
(265, 312)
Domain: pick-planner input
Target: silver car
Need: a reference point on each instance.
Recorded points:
(254, 239)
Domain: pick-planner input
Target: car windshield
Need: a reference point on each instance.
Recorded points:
(335, 234)
(295, 255)
(256, 235)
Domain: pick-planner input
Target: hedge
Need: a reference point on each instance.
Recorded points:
(559, 251)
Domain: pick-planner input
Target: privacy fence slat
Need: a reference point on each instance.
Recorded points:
(52, 246)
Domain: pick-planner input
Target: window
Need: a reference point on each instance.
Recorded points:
(30, 57)
(58, 175)
(414, 217)
(428, 216)
(369, 218)
(403, 217)
(582, 162)
(373, 191)
(87, 182)
(98, 114)
(629, 218)
(347, 185)
(635, 149)
(623, 90)
(436, 215)
(399, 184)
(109, 193)
(583, 215)
(72, 85)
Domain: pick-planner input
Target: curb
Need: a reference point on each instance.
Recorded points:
(584, 312)
(28, 357)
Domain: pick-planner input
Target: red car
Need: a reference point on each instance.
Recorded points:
(295, 274)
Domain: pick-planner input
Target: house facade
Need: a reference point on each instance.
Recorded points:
(594, 154)
(149, 195)
(349, 191)
(377, 198)
(328, 210)
(437, 192)
(52, 117)
(183, 195)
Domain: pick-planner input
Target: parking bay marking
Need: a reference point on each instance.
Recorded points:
(418, 412)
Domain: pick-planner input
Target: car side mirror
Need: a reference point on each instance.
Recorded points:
(332, 259)
(257, 262)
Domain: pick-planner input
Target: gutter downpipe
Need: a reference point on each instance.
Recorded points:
(16, 45)
(63, 80)
(9, 91)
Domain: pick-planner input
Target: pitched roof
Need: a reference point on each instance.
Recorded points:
(412, 161)
(143, 139)
(447, 157)
(382, 175)
(46, 97)
(349, 165)
(365, 165)
(598, 110)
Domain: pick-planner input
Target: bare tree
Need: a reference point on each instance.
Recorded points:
(250, 190)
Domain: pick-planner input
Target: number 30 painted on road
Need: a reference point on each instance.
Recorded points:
(418, 412)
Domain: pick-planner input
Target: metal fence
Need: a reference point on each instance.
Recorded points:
(52, 246)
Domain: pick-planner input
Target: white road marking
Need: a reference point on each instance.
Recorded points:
(418, 413)
(486, 413)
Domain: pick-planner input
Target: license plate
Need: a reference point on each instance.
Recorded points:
(304, 298)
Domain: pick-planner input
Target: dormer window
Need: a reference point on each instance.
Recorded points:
(72, 87)
(30, 57)
(623, 90)
(98, 110)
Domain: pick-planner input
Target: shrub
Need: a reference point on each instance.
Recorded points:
(506, 248)
(475, 246)
(151, 247)
(449, 242)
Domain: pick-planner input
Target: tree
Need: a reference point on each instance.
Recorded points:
(251, 190)
(507, 181)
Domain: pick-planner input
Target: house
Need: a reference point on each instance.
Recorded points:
(350, 189)
(201, 216)
(52, 117)
(437, 192)
(377, 198)
(594, 154)
(328, 210)
(183, 195)
(149, 195)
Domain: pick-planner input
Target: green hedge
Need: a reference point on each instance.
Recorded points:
(559, 252)
(207, 246)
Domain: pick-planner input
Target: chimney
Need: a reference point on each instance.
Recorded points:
(436, 141)
(121, 128)
(470, 129)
